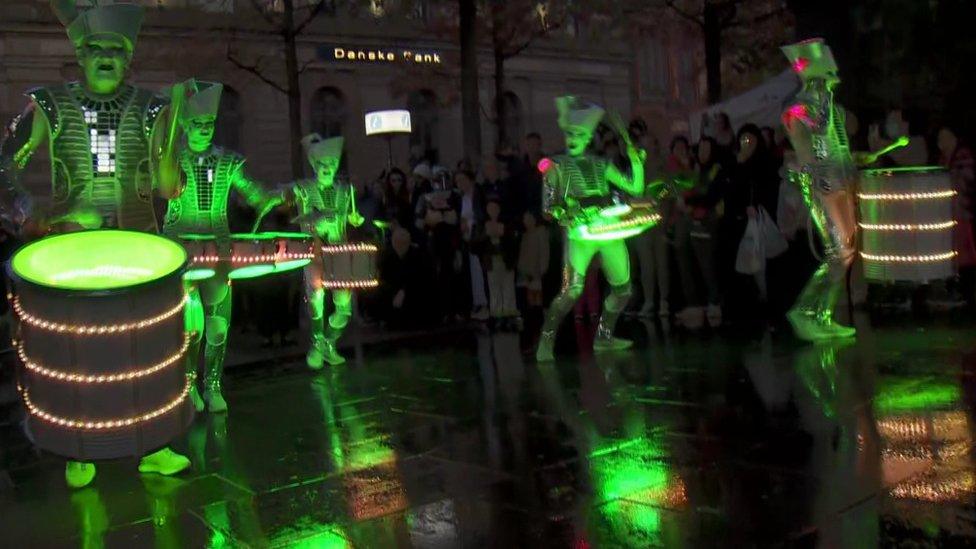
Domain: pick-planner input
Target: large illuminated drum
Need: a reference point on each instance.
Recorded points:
(349, 266)
(614, 221)
(250, 255)
(906, 224)
(102, 342)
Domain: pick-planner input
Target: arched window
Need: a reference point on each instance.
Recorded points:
(329, 112)
(512, 118)
(422, 105)
(227, 132)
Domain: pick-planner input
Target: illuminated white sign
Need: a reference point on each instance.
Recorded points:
(379, 54)
(380, 122)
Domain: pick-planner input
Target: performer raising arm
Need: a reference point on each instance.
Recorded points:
(577, 187)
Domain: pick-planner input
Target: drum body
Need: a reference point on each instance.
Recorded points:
(251, 255)
(349, 266)
(616, 222)
(102, 343)
(906, 224)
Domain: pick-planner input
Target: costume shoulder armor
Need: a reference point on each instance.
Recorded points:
(155, 103)
(44, 99)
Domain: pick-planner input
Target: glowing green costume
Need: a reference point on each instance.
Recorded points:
(815, 126)
(577, 186)
(111, 145)
(325, 208)
(209, 174)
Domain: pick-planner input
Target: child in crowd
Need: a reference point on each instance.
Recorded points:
(501, 277)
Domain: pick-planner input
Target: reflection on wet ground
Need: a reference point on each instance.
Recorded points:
(683, 442)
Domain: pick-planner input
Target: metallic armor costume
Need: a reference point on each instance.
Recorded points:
(209, 175)
(576, 186)
(325, 210)
(826, 174)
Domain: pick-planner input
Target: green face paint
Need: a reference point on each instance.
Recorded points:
(199, 132)
(104, 60)
(98, 260)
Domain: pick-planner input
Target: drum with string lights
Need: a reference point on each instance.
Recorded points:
(250, 255)
(349, 266)
(906, 224)
(102, 342)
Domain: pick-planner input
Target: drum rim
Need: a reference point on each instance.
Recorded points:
(162, 280)
(904, 169)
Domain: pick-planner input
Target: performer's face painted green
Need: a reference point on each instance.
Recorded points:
(577, 139)
(325, 170)
(199, 132)
(104, 59)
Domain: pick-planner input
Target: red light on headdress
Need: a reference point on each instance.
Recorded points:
(794, 113)
(800, 65)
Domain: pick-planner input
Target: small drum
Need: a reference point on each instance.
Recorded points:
(251, 255)
(906, 223)
(349, 266)
(102, 342)
(616, 222)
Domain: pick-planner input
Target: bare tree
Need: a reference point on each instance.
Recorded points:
(715, 17)
(287, 19)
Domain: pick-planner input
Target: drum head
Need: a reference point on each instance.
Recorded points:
(252, 271)
(270, 235)
(98, 260)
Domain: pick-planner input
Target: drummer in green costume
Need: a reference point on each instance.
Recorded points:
(325, 207)
(209, 173)
(111, 145)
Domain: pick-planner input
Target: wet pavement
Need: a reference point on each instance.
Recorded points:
(685, 441)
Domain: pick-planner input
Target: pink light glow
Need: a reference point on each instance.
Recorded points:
(545, 165)
(801, 65)
(796, 113)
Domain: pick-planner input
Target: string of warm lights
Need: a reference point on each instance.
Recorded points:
(930, 258)
(943, 490)
(249, 259)
(625, 224)
(101, 425)
(351, 284)
(908, 227)
(93, 329)
(911, 428)
(347, 248)
(932, 195)
(105, 378)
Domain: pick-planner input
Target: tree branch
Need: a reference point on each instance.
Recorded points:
(311, 15)
(256, 72)
(760, 18)
(689, 16)
(256, 4)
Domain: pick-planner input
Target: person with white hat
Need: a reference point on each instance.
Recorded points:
(325, 207)
(209, 174)
(573, 182)
(827, 175)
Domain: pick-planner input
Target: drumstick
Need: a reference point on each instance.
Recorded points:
(899, 143)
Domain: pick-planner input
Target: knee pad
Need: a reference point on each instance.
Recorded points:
(216, 330)
(338, 320)
(618, 298)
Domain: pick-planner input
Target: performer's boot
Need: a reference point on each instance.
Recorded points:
(214, 357)
(554, 317)
(316, 353)
(329, 351)
(830, 327)
(163, 462)
(804, 316)
(316, 316)
(194, 325)
(192, 356)
(613, 305)
(78, 474)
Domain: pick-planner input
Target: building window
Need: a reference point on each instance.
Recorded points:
(652, 67)
(329, 112)
(422, 105)
(512, 119)
(227, 132)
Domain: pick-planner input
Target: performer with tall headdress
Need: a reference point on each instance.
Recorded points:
(826, 174)
(111, 145)
(577, 187)
(325, 207)
(209, 173)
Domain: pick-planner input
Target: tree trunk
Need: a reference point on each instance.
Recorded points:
(470, 97)
(713, 52)
(498, 49)
(294, 90)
